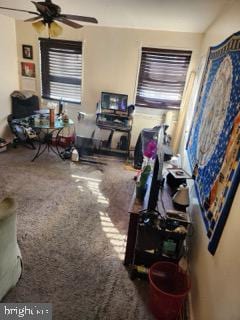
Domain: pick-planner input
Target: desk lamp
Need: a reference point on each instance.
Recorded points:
(181, 197)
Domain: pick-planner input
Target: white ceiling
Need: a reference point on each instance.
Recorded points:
(170, 15)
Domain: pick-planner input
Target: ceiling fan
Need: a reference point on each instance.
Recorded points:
(46, 15)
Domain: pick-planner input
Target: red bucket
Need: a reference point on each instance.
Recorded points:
(169, 286)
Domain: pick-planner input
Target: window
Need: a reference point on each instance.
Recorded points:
(162, 78)
(61, 69)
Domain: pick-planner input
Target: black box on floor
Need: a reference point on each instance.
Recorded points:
(84, 145)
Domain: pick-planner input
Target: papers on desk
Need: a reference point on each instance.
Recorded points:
(179, 173)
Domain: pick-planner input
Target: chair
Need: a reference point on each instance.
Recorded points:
(22, 133)
(24, 104)
(10, 256)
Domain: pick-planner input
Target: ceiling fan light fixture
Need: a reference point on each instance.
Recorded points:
(47, 12)
(39, 26)
(55, 29)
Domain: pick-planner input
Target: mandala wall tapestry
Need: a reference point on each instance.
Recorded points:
(214, 139)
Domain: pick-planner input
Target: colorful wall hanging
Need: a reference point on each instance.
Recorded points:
(213, 143)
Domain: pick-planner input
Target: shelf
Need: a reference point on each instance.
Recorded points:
(108, 122)
(138, 236)
(113, 152)
(115, 115)
(179, 173)
(113, 126)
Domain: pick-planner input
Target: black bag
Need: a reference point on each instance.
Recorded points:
(22, 108)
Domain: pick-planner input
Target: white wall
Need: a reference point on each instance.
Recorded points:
(8, 67)
(111, 60)
(215, 279)
(226, 24)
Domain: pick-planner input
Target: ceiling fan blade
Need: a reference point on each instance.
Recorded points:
(32, 12)
(41, 8)
(79, 18)
(33, 19)
(68, 22)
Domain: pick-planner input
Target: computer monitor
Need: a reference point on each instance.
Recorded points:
(114, 102)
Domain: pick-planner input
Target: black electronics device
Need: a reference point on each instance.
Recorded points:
(114, 102)
(155, 186)
(157, 176)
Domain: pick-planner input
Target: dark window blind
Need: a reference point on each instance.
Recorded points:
(162, 77)
(61, 69)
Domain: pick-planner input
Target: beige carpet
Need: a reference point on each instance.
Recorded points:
(72, 225)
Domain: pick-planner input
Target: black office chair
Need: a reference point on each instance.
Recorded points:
(22, 107)
(23, 133)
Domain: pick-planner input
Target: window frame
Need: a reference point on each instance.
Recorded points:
(159, 104)
(45, 45)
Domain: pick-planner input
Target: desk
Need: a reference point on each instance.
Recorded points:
(115, 123)
(45, 129)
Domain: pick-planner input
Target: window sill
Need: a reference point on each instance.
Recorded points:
(152, 111)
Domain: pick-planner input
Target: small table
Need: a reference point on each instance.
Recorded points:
(44, 132)
(46, 129)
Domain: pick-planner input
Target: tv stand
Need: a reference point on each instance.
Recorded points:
(147, 244)
(115, 122)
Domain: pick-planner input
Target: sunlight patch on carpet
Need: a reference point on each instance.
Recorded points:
(85, 178)
(117, 240)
